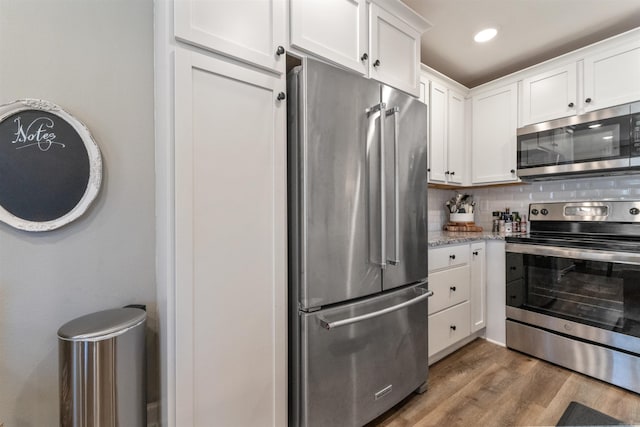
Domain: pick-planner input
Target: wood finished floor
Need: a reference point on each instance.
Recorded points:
(486, 385)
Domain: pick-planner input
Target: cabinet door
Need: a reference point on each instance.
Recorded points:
(478, 286)
(394, 48)
(448, 327)
(332, 29)
(549, 95)
(438, 133)
(455, 138)
(612, 77)
(247, 30)
(230, 232)
(494, 126)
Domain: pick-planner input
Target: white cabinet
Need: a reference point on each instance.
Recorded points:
(457, 309)
(394, 51)
(438, 133)
(252, 31)
(612, 77)
(336, 30)
(230, 320)
(549, 95)
(446, 142)
(603, 79)
(455, 138)
(494, 125)
(382, 43)
(478, 286)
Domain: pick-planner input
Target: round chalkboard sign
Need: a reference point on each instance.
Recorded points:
(50, 166)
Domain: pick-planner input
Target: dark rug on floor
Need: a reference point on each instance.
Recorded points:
(577, 414)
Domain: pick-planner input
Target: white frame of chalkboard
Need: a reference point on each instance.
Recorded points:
(95, 166)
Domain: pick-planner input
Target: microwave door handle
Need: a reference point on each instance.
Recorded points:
(396, 186)
(351, 320)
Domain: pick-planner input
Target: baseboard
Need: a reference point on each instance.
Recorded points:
(153, 414)
(501, 344)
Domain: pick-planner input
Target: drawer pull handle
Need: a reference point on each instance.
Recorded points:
(452, 257)
(475, 253)
(453, 288)
(453, 327)
(513, 268)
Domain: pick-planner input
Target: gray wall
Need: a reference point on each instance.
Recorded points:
(95, 59)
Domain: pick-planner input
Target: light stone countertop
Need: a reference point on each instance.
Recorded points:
(442, 238)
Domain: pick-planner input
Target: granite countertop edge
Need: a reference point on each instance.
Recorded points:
(442, 238)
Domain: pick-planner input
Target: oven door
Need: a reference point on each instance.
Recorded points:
(589, 294)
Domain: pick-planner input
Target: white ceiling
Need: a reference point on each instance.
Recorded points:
(529, 32)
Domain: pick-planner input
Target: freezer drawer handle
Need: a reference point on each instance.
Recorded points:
(331, 325)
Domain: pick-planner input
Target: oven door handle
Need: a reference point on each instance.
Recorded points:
(575, 253)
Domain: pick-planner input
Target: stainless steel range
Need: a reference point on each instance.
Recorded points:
(573, 288)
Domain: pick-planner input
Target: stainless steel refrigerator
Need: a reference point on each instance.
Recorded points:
(357, 246)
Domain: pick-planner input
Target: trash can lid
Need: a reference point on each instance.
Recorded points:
(102, 324)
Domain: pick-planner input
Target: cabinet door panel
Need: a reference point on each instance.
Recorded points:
(612, 77)
(549, 95)
(455, 138)
(450, 287)
(438, 132)
(397, 48)
(247, 30)
(332, 29)
(448, 256)
(448, 327)
(230, 189)
(478, 286)
(494, 126)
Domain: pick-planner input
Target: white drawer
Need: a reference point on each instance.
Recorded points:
(448, 327)
(448, 256)
(450, 287)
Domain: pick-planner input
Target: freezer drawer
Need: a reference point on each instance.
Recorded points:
(350, 374)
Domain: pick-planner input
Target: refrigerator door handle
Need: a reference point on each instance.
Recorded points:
(383, 207)
(396, 188)
(424, 294)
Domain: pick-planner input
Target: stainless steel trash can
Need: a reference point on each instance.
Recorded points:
(102, 369)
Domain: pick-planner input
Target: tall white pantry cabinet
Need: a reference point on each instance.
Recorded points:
(221, 95)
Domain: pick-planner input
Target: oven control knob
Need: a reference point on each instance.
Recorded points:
(534, 211)
(634, 211)
(544, 212)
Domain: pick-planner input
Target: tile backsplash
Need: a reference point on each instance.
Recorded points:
(518, 197)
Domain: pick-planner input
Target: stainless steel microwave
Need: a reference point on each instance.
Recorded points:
(603, 142)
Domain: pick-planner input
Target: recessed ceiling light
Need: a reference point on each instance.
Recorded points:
(485, 35)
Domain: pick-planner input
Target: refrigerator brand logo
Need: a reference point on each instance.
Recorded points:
(38, 133)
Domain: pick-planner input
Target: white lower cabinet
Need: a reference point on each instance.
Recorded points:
(230, 213)
(448, 327)
(457, 309)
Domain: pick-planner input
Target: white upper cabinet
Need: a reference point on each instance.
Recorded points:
(336, 30)
(379, 39)
(549, 95)
(494, 125)
(446, 142)
(438, 133)
(612, 77)
(251, 31)
(455, 138)
(394, 48)
(609, 77)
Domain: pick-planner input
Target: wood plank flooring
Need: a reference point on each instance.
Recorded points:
(486, 385)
